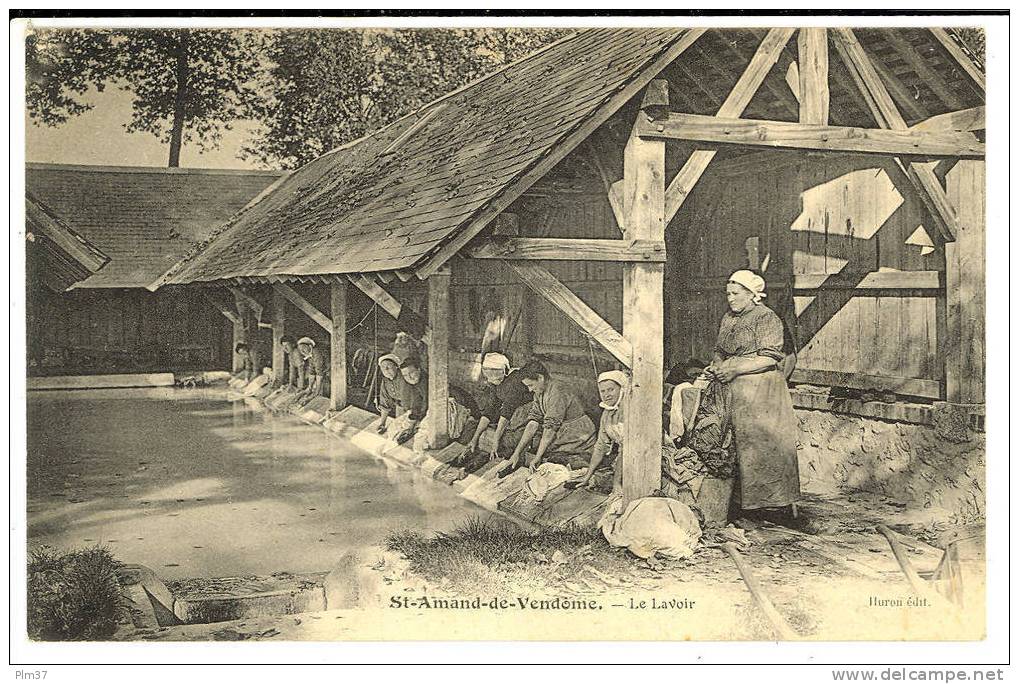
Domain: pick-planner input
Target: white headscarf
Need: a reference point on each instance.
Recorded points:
(752, 282)
(495, 361)
(390, 357)
(306, 340)
(621, 379)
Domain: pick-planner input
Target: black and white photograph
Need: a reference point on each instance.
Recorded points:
(497, 331)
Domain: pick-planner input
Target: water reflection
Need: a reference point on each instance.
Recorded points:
(192, 485)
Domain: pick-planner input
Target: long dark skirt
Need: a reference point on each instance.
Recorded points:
(764, 429)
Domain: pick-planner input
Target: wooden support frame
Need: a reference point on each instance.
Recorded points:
(374, 291)
(787, 101)
(814, 96)
(279, 317)
(246, 329)
(562, 298)
(644, 311)
(221, 306)
(962, 120)
(338, 345)
(241, 295)
(304, 305)
(564, 249)
(823, 138)
(572, 140)
(438, 359)
(232, 315)
(766, 56)
(961, 58)
(887, 115)
(963, 337)
(912, 56)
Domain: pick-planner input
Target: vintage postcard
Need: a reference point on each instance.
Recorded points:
(550, 332)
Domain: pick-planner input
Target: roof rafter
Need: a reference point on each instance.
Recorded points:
(921, 176)
(567, 145)
(764, 59)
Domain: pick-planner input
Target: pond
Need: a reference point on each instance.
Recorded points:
(194, 485)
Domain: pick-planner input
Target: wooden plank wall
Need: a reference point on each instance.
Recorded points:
(827, 220)
(482, 290)
(130, 330)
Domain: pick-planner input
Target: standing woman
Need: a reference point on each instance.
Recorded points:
(747, 357)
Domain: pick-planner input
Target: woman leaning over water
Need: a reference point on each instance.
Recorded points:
(747, 358)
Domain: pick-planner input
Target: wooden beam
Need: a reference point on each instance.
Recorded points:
(248, 299)
(558, 152)
(874, 280)
(374, 291)
(812, 44)
(765, 57)
(865, 282)
(562, 298)
(566, 249)
(922, 177)
(916, 387)
(438, 359)
(782, 97)
(961, 58)
(802, 136)
(304, 305)
(338, 346)
(964, 331)
(961, 120)
(643, 317)
(904, 98)
(221, 306)
(279, 317)
(247, 328)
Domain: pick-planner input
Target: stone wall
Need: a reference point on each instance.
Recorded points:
(909, 463)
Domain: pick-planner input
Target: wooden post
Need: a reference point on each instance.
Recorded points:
(964, 288)
(238, 337)
(248, 329)
(813, 71)
(279, 304)
(438, 358)
(338, 346)
(643, 316)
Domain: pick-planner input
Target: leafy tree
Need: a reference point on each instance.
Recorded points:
(187, 85)
(330, 86)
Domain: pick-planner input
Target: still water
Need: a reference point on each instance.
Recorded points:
(192, 485)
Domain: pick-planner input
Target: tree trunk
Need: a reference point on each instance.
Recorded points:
(177, 132)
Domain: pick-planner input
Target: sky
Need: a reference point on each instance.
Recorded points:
(98, 137)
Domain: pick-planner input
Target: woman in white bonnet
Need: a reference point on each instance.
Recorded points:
(613, 386)
(504, 403)
(746, 361)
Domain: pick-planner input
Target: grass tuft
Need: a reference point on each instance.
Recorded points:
(468, 554)
(73, 596)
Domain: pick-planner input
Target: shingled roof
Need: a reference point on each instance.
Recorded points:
(409, 196)
(143, 219)
(63, 256)
(394, 198)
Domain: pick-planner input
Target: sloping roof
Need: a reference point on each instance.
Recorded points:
(405, 198)
(64, 256)
(144, 219)
(393, 198)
